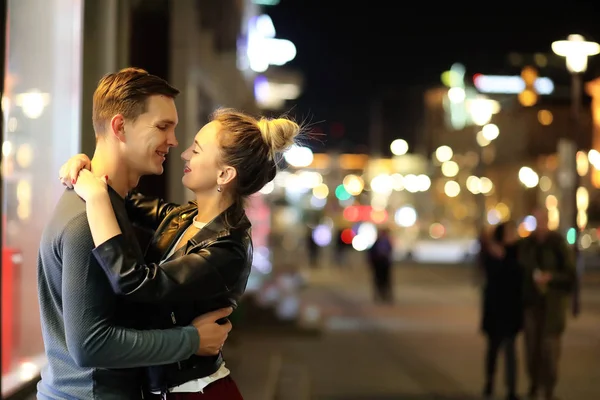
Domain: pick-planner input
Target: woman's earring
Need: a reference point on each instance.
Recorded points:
(219, 189)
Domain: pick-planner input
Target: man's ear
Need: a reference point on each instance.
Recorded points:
(117, 127)
(227, 175)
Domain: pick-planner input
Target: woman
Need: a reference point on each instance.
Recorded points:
(205, 245)
(502, 305)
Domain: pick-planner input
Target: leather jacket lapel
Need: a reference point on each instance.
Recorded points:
(168, 232)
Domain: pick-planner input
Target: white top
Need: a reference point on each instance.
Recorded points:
(196, 385)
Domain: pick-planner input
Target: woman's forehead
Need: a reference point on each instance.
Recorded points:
(208, 133)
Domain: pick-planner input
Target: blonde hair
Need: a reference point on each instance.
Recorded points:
(251, 146)
(279, 134)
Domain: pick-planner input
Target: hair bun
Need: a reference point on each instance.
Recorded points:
(279, 133)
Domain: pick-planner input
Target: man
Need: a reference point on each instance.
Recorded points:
(91, 344)
(380, 258)
(549, 271)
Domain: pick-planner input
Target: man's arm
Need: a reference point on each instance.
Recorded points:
(88, 306)
(565, 277)
(212, 271)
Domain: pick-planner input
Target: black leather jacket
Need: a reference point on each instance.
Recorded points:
(207, 273)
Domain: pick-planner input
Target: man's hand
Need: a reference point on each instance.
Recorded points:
(70, 170)
(212, 334)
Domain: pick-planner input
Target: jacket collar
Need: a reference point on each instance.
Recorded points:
(213, 230)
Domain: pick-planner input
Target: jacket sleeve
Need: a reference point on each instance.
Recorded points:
(147, 211)
(210, 272)
(92, 337)
(564, 278)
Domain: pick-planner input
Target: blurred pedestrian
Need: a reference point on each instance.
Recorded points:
(549, 279)
(380, 260)
(312, 247)
(502, 317)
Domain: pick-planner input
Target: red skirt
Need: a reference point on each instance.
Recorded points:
(222, 389)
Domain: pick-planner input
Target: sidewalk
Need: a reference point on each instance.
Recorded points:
(425, 347)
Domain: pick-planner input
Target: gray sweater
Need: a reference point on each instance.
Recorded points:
(92, 350)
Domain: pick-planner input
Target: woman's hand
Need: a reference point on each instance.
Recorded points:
(70, 170)
(88, 187)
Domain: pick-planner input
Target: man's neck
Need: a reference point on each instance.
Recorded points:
(106, 162)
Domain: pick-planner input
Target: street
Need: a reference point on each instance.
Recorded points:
(425, 347)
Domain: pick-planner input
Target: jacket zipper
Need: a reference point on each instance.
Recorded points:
(175, 322)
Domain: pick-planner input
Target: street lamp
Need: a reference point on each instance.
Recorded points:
(576, 51)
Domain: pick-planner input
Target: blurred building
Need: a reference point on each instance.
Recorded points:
(347, 198)
(478, 163)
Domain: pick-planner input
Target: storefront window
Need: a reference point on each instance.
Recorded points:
(41, 106)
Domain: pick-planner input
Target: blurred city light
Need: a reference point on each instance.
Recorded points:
(545, 117)
(490, 131)
(298, 156)
(530, 223)
(341, 193)
(481, 110)
(594, 158)
(268, 188)
(499, 84)
(473, 184)
(450, 169)
(399, 147)
(273, 95)
(263, 49)
(486, 185)
(571, 235)
(353, 184)
(452, 189)
(528, 177)
(455, 77)
(576, 50)
(444, 153)
(545, 184)
(321, 191)
(406, 216)
(529, 95)
(322, 235)
(436, 230)
(266, 2)
(32, 103)
(481, 139)
(382, 183)
(456, 94)
(494, 217)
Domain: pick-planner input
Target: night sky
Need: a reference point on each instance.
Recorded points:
(350, 52)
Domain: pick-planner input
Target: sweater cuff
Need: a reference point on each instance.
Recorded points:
(194, 338)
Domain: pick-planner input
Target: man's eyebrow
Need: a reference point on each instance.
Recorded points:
(197, 144)
(165, 122)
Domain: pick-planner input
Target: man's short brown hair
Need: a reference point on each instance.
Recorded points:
(126, 92)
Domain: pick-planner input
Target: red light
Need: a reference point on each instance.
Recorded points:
(347, 235)
(476, 78)
(351, 213)
(364, 213)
